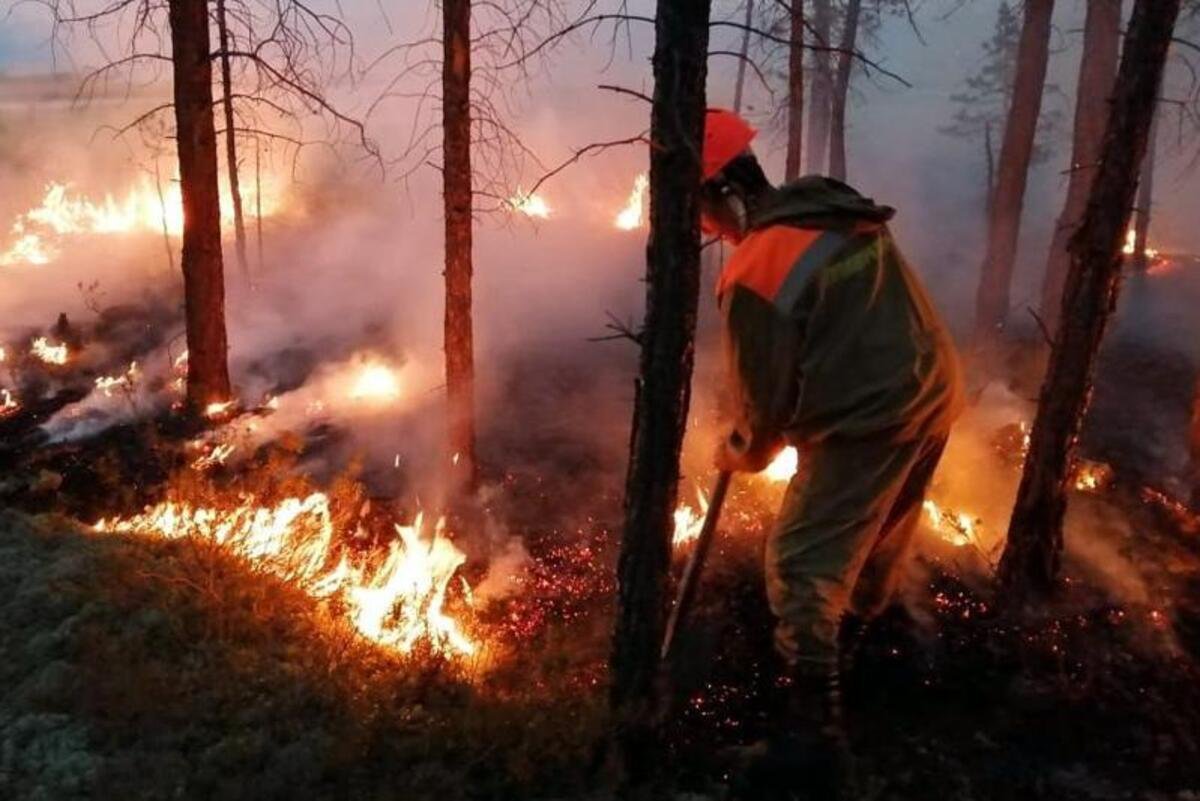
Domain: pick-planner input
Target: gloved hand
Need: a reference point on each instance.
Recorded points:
(733, 454)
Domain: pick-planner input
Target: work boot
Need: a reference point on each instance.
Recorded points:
(807, 756)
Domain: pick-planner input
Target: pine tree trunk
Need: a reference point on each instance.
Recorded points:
(1097, 69)
(822, 89)
(203, 271)
(1145, 203)
(795, 110)
(1016, 152)
(1030, 564)
(663, 387)
(841, 90)
(740, 86)
(231, 162)
(457, 195)
(990, 154)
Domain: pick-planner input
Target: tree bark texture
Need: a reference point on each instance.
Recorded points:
(231, 162)
(203, 271)
(663, 387)
(1145, 203)
(821, 90)
(841, 90)
(1016, 152)
(795, 109)
(740, 86)
(1097, 69)
(457, 196)
(1032, 555)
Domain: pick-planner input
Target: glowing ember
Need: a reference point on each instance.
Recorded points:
(633, 215)
(48, 352)
(1131, 245)
(216, 456)
(8, 404)
(376, 383)
(1090, 476)
(689, 521)
(784, 466)
(109, 384)
(956, 528)
(531, 205)
(218, 408)
(396, 601)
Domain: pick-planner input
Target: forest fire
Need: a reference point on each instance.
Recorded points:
(689, 520)
(396, 600)
(633, 216)
(1130, 246)
(531, 205)
(144, 208)
(124, 382)
(8, 404)
(375, 383)
(49, 352)
(956, 528)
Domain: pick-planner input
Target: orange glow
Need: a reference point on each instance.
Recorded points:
(956, 528)
(376, 383)
(783, 466)
(395, 600)
(8, 404)
(633, 216)
(689, 521)
(49, 352)
(531, 205)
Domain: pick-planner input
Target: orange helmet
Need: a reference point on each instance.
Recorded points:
(726, 136)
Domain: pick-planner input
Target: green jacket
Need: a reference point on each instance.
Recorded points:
(828, 332)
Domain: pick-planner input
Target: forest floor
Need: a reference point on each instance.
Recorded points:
(138, 668)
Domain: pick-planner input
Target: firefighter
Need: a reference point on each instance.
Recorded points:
(833, 346)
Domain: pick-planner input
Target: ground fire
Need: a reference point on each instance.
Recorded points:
(572, 400)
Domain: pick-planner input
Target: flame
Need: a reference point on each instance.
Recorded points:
(48, 352)
(108, 384)
(783, 466)
(376, 382)
(1090, 476)
(531, 205)
(397, 601)
(956, 528)
(63, 212)
(216, 456)
(218, 408)
(1131, 245)
(3, 354)
(689, 521)
(633, 216)
(8, 404)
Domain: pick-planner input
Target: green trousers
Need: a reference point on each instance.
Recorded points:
(841, 538)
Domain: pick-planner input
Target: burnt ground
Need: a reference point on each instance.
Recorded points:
(145, 670)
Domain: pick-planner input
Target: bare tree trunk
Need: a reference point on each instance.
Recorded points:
(258, 201)
(457, 195)
(822, 89)
(162, 206)
(663, 388)
(740, 86)
(990, 154)
(1097, 69)
(841, 90)
(1030, 563)
(1016, 152)
(795, 110)
(1145, 203)
(231, 162)
(203, 271)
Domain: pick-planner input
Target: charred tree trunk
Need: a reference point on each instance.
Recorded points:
(989, 154)
(231, 162)
(795, 110)
(663, 388)
(1016, 152)
(1097, 69)
(740, 86)
(822, 89)
(203, 271)
(457, 196)
(1145, 203)
(1031, 558)
(841, 90)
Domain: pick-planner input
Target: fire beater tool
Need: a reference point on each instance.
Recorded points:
(695, 563)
